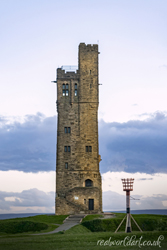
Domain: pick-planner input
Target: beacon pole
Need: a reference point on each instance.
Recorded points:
(128, 186)
(128, 222)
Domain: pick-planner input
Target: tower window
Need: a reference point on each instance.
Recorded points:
(88, 183)
(65, 89)
(66, 165)
(67, 149)
(67, 130)
(88, 148)
(76, 90)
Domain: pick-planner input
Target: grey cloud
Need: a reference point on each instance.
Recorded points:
(144, 179)
(113, 201)
(135, 104)
(134, 146)
(37, 201)
(28, 146)
(27, 199)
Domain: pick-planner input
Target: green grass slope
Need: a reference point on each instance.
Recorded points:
(39, 223)
(82, 241)
(81, 238)
(146, 223)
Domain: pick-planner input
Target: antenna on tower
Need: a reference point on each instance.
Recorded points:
(128, 186)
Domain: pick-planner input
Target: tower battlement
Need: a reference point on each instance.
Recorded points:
(88, 47)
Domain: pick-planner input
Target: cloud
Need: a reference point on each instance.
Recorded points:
(112, 201)
(145, 179)
(133, 146)
(29, 146)
(163, 66)
(36, 201)
(32, 200)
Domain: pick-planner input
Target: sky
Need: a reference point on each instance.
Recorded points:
(39, 36)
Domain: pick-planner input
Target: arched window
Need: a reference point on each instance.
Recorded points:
(64, 91)
(76, 90)
(88, 183)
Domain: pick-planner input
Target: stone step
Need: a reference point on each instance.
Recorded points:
(75, 218)
(77, 215)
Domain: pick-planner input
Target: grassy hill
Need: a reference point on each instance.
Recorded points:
(39, 223)
(146, 222)
(82, 236)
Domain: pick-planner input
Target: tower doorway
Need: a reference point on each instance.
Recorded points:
(91, 204)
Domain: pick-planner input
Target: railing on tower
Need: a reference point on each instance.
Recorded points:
(69, 68)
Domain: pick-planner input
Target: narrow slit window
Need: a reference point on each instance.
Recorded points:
(87, 149)
(69, 130)
(76, 90)
(66, 89)
(65, 148)
(69, 149)
(65, 130)
(66, 165)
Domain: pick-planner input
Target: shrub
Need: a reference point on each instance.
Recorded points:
(21, 227)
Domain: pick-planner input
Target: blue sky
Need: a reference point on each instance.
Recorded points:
(39, 36)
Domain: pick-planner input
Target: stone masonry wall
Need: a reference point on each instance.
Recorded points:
(80, 114)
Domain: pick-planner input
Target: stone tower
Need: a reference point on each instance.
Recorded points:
(78, 180)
